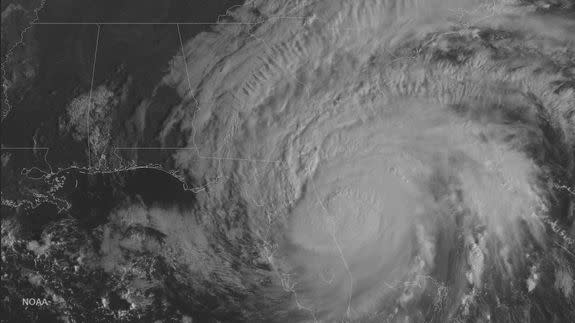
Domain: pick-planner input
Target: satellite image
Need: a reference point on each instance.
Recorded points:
(288, 161)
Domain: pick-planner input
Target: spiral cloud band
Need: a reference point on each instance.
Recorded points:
(377, 161)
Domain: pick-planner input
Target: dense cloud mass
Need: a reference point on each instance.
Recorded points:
(380, 160)
(350, 161)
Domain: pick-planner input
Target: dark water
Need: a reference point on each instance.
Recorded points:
(94, 196)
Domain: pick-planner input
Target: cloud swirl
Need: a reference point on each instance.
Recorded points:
(379, 160)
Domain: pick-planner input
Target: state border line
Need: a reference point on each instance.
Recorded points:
(24, 148)
(90, 103)
(162, 23)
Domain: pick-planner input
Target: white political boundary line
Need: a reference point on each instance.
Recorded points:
(24, 148)
(144, 23)
(197, 107)
(90, 103)
(162, 23)
(186, 64)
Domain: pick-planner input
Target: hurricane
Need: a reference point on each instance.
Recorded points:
(371, 161)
